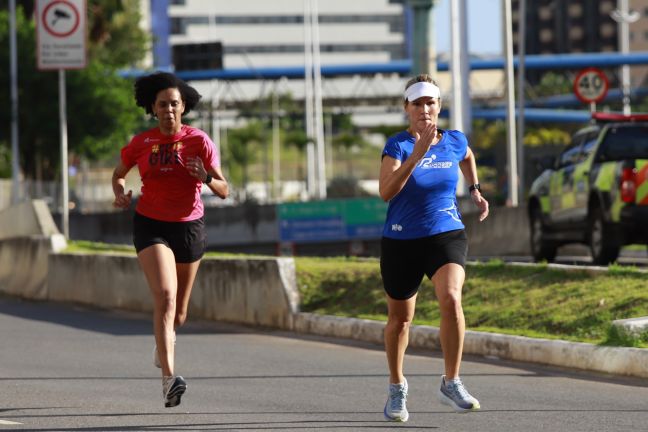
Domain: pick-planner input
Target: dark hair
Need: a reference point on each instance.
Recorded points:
(147, 88)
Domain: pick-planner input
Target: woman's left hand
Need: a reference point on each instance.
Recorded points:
(196, 168)
(480, 202)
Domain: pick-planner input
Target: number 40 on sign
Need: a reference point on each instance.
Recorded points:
(591, 85)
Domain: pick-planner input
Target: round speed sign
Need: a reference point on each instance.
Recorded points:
(591, 85)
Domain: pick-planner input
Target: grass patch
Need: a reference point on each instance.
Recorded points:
(533, 301)
(94, 247)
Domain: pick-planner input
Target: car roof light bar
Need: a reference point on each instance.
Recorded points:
(618, 117)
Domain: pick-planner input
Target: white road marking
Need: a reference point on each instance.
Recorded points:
(7, 422)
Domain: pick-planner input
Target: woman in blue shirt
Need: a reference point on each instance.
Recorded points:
(424, 235)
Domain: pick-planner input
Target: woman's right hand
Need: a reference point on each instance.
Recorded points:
(424, 140)
(123, 200)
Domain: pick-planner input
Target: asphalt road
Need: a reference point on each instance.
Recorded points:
(64, 368)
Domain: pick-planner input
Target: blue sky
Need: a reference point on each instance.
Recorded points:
(484, 26)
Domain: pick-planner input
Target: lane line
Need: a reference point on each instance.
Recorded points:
(7, 422)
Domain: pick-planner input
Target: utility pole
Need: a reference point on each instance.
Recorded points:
(423, 53)
(521, 79)
(308, 99)
(624, 17)
(460, 114)
(318, 122)
(15, 159)
(510, 106)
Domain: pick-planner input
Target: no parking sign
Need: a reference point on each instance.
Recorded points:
(61, 34)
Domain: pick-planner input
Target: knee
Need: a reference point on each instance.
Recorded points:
(399, 324)
(166, 299)
(451, 305)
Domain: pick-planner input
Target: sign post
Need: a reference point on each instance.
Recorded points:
(61, 44)
(590, 86)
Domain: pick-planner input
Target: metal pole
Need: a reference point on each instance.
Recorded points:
(458, 46)
(276, 168)
(308, 99)
(15, 157)
(319, 121)
(456, 114)
(423, 58)
(623, 16)
(464, 71)
(521, 79)
(65, 209)
(510, 106)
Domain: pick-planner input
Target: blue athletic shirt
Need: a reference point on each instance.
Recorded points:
(427, 204)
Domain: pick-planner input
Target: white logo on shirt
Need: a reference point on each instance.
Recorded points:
(428, 163)
(396, 227)
(148, 140)
(452, 212)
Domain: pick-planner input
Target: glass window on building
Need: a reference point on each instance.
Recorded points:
(575, 10)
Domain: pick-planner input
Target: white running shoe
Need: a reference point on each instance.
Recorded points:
(454, 394)
(395, 407)
(172, 390)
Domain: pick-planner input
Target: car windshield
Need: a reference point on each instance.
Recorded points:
(627, 142)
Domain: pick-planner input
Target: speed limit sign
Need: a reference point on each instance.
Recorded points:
(591, 85)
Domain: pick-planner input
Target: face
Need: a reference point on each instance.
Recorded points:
(168, 109)
(423, 111)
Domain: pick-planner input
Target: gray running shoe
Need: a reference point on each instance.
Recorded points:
(172, 389)
(395, 407)
(455, 395)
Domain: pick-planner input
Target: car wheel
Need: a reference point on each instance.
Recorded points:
(604, 249)
(541, 248)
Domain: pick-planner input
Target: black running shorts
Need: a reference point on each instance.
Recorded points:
(403, 263)
(187, 240)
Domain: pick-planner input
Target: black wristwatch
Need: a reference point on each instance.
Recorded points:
(208, 179)
(473, 187)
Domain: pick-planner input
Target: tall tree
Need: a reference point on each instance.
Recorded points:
(100, 109)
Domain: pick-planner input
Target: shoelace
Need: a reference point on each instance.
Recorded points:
(397, 398)
(458, 389)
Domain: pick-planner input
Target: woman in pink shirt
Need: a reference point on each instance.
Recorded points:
(174, 160)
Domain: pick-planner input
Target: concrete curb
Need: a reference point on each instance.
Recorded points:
(575, 355)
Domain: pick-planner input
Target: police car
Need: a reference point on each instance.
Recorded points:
(596, 191)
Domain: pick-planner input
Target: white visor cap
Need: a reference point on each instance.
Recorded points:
(422, 89)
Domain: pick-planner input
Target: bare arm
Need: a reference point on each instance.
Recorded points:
(394, 174)
(218, 185)
(122, 200)
(469, 169)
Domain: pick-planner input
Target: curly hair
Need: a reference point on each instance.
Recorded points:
(147, 88)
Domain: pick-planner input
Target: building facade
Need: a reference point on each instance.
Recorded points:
(579, 26)
(261, 33)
